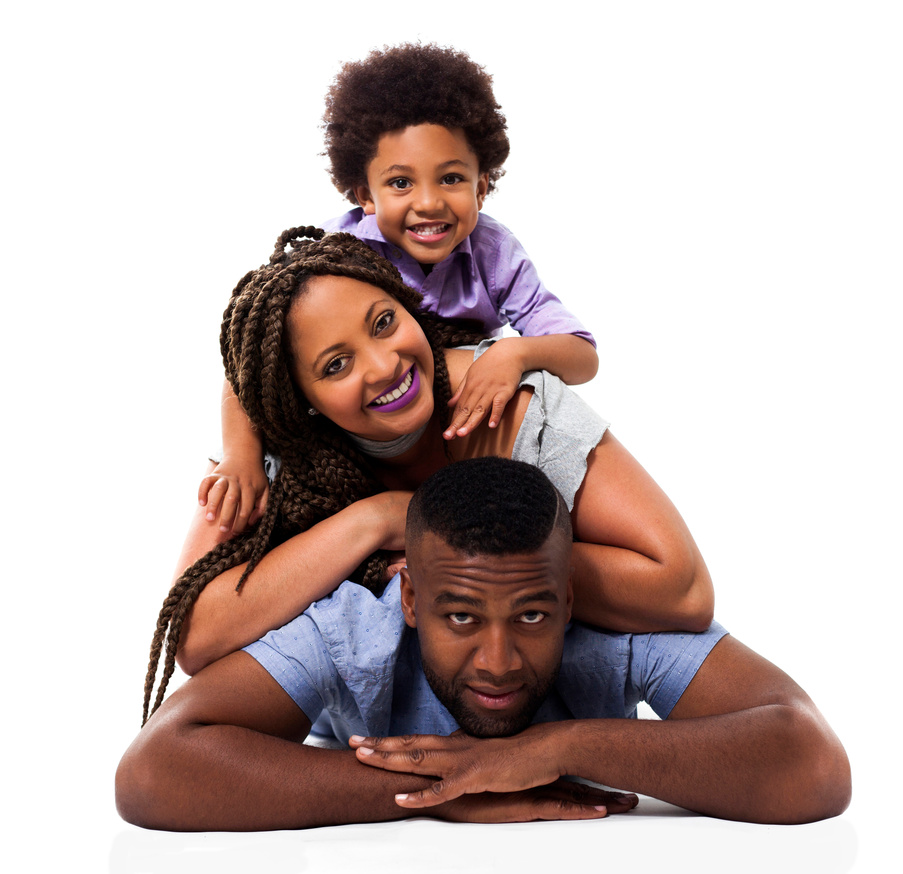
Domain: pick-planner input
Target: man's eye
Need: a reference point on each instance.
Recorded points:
(532, 617)
(460, 618)
(400, 184)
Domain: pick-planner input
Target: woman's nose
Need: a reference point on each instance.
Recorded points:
(381, 365)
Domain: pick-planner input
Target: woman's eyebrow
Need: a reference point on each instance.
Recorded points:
(368, 316)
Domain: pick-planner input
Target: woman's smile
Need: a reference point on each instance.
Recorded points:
(400, 394)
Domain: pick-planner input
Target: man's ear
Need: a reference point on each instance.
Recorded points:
(365, 199)
(570, 595)
(482, 188)
(408, 598)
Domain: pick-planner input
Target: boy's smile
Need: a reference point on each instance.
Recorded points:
(425, 188)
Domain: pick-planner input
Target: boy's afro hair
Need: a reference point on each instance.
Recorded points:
(405, 85)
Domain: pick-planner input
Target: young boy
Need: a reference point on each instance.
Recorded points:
(416, 140)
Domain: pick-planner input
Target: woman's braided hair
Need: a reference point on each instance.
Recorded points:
(321, 472)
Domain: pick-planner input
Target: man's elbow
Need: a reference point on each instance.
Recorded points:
(820, 786)
(830, 782)
(136, 791)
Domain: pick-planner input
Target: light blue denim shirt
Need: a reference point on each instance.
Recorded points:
(352, 656)
(488, 277)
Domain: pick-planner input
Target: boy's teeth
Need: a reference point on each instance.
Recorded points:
(429, 230)
(394, 395)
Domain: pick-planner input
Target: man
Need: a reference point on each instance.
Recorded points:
(469, 660)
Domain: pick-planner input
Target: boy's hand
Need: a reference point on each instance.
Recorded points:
(488, 385)
(235, 494)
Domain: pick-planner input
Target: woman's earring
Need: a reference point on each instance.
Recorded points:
(311, 411)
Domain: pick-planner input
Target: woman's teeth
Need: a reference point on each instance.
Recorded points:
(394, 395)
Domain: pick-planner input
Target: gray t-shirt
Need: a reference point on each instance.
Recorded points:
(352, 656)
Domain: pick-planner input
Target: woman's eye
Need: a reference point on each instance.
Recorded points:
(337, 365)
(384, 321)
(533, 617)
(400, 184)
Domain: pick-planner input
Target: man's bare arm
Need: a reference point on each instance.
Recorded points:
(224, 753)
(744, 742)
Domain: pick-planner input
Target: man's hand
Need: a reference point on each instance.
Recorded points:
(235, 493)
(488, 385)
(562, 799)
(467, 765)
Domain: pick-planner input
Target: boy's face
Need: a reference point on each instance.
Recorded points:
(425, 188)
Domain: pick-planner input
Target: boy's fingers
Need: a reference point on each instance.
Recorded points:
(214, 499)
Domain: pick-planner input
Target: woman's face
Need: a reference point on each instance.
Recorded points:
(360, 358)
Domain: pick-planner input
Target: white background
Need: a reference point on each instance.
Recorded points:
(714, 187)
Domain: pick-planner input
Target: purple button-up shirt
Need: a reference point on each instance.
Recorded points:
(488, 277)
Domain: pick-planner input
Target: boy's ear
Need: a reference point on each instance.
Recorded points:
(482, 188)
(407, 598)
(365, 199)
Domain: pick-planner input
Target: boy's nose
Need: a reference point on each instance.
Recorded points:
(429, 199)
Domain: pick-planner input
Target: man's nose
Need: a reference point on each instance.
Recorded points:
(497, 653)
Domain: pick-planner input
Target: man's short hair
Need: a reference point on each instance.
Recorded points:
(488, 506)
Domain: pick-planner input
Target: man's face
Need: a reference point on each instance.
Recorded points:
(491, 628)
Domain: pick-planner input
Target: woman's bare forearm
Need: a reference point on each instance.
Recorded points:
(627, 591)
(288, 579)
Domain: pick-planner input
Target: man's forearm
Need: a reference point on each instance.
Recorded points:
(776, 763)
(228, 778)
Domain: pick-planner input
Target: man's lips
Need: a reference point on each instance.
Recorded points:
(496, 699)
(399, 394)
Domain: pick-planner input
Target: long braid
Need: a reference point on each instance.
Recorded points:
(321, 472)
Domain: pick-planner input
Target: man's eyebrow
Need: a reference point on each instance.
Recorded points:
(546, 595)
(454, 598)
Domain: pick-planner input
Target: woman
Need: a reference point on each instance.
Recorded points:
(349, 384)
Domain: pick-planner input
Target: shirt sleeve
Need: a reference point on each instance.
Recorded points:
(662, 665)
(297, 658)
(531, 309)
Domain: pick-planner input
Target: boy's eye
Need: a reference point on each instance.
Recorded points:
(400, 184)
(452, 179)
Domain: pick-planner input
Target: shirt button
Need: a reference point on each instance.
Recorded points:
(396, 254)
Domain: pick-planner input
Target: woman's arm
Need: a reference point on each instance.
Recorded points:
(287, 580)
(636, 565)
